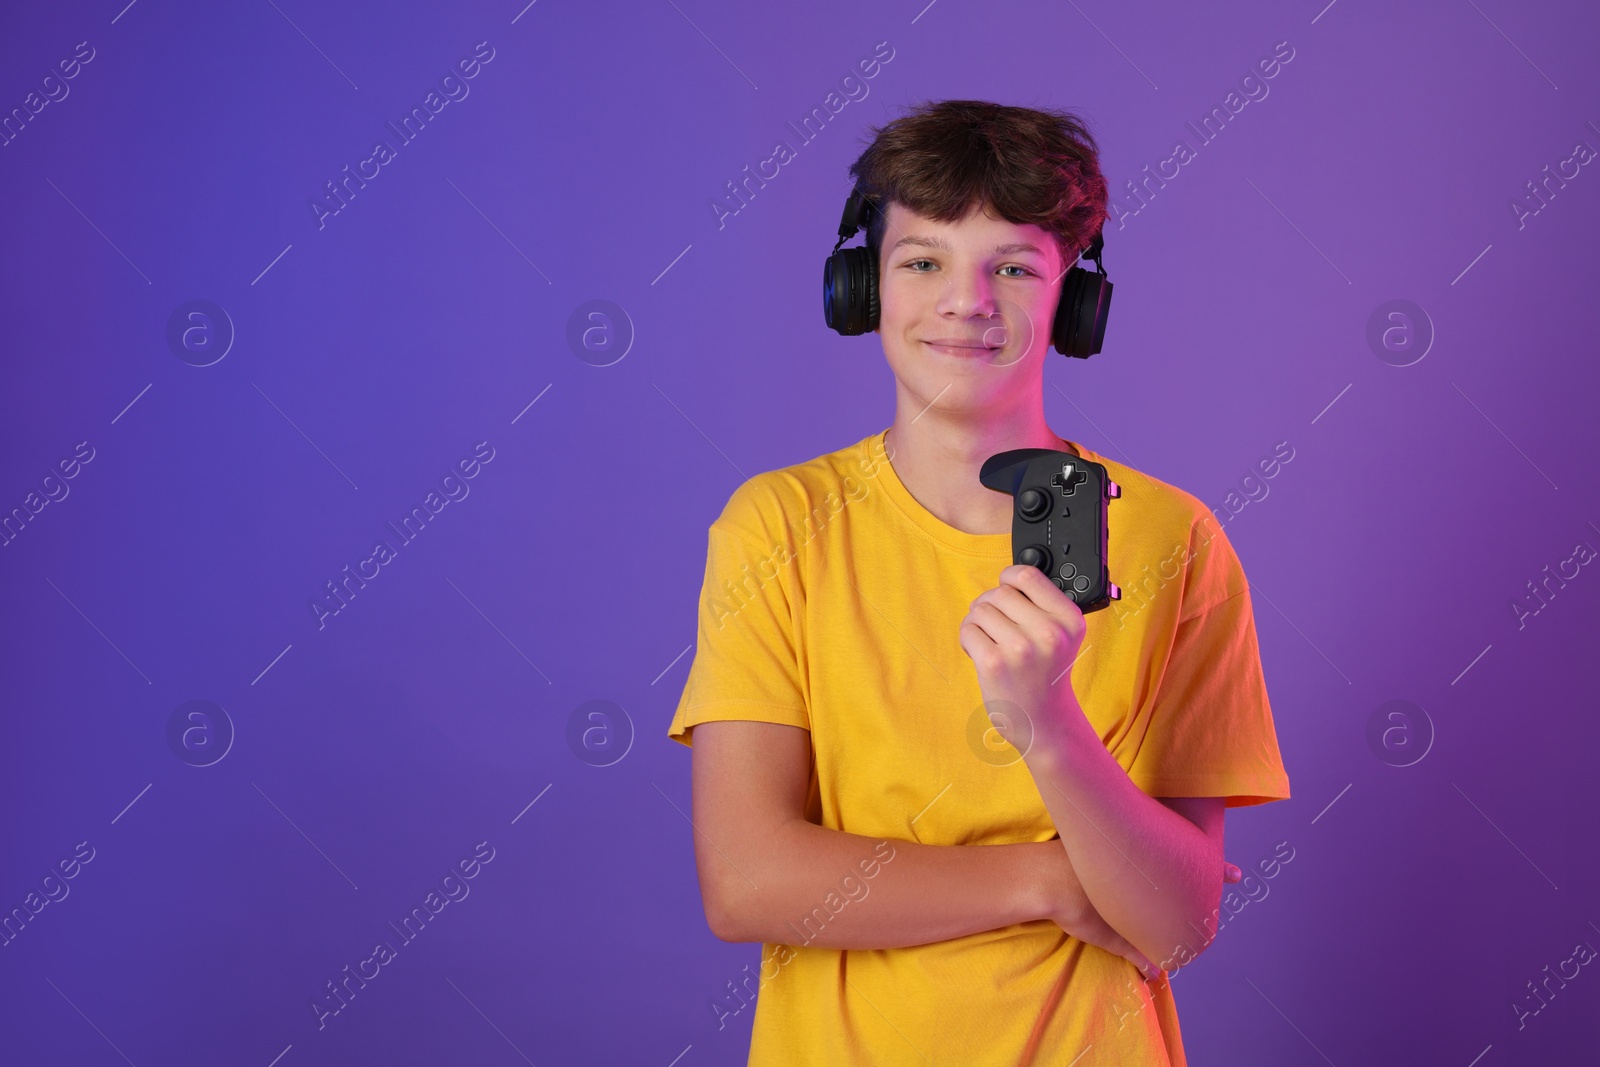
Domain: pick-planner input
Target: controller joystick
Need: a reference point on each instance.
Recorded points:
(1033, 503)
(1035, 556)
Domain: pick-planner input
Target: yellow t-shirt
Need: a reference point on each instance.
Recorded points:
(832, 602)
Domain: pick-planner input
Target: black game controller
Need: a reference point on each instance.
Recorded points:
(1059, 522)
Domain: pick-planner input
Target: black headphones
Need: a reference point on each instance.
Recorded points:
(850, 290)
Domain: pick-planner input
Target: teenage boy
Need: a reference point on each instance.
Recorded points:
(969, 823)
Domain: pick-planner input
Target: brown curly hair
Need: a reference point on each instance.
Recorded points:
(1028, 165)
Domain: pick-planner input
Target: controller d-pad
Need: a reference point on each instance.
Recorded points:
(1068, 478)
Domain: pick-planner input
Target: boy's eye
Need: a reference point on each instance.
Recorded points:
(912, 265)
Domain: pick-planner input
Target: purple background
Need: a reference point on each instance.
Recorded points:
(374, 352)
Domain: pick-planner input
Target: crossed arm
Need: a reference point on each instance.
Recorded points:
(765, 870)
(1149, 865)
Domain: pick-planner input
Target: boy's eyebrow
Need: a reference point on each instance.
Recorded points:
(943, 245)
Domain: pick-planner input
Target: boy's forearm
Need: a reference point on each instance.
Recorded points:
(812, 886)
(1147, 870)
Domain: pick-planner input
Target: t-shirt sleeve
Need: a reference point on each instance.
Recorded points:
(747, 658)
(1211, 731)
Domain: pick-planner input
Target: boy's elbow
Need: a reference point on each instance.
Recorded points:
(722, 928)
(1175, 952)
(726, 918)
(1196, 933)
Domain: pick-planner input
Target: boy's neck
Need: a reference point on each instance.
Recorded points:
(937, 457)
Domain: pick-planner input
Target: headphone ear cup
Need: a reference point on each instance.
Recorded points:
(870, 267)
(850, 291)
(1080, 323)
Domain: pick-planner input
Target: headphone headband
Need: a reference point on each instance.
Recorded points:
(855, 215)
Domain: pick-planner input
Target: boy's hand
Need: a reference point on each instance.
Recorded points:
(1022, 636)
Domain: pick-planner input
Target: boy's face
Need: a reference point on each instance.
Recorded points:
(966, 307)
